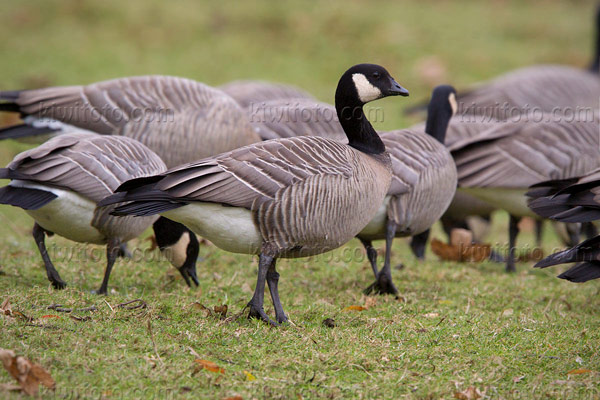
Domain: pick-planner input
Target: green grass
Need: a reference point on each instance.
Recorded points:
(456, 325)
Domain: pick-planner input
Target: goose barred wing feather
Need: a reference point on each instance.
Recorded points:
(247, 93)
(160, 111)
(87, 164)
(423, 179)
(531, 153)
(253, 175)
(296, 117)
(543, 87)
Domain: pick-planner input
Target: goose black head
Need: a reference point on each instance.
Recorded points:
(367, 82)
(180, 246)
(441, 108)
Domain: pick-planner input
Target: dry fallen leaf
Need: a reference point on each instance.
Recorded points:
(470, 393)
(462, 253)
(579, 371)
(355, 308)
(29, 375)
(518, 379)
(234, 398)
(221, 310)
(249, 376)
(209, 366)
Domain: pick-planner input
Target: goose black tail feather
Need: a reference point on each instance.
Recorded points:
(582, 272)
(549, 188)
(25, 198)
(142, 201)
(586, 251)
(10, 97)
(23, 130)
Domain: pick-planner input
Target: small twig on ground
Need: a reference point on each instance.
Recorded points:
(109, 306)
(126, 305)
(60, 308)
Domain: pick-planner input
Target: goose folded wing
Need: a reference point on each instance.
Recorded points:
(246, 177)
(90, 165)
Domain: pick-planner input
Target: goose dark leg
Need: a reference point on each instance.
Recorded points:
(539, 230)
(256, 304)
(39, 235)
(371, 255)
(418, 244)
(112, 251)
(273, 281)
(383, 283)
(589, 230)
(573, 233)
(513, 231)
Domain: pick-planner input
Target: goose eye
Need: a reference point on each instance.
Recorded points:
(376, 75)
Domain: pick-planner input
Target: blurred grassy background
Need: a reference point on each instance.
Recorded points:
(394, 348)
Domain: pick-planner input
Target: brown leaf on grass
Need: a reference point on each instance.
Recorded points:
(234, 398)
(518, 379)
(579, 371)
(470, 393)
(10, 314)
(222, 310)
(461, 253)
(29, 375)
(209, 366)
(355, 308)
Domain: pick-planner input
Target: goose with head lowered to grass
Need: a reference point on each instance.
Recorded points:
(179, 119)
(280, 198)
(59, 183)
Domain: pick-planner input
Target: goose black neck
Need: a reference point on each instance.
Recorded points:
(361, 134)
(438, 119)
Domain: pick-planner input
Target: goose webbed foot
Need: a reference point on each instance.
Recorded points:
(382, 285)
(258, 312)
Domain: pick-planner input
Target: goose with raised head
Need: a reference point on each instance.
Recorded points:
(571, 200)
(499, 165)
(249, 93)
(280, 198)
(179, 119)
(59, 183)
(423, 185)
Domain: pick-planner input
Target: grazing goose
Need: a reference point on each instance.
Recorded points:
(253, 93)
(423, 184)
(498, 166)
(571, 200)
(290, 197)
(284, 118)
(59, 183)
(165, 113)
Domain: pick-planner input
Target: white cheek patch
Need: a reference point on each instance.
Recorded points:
(453, 103)
(366, 91)
(177, 253)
